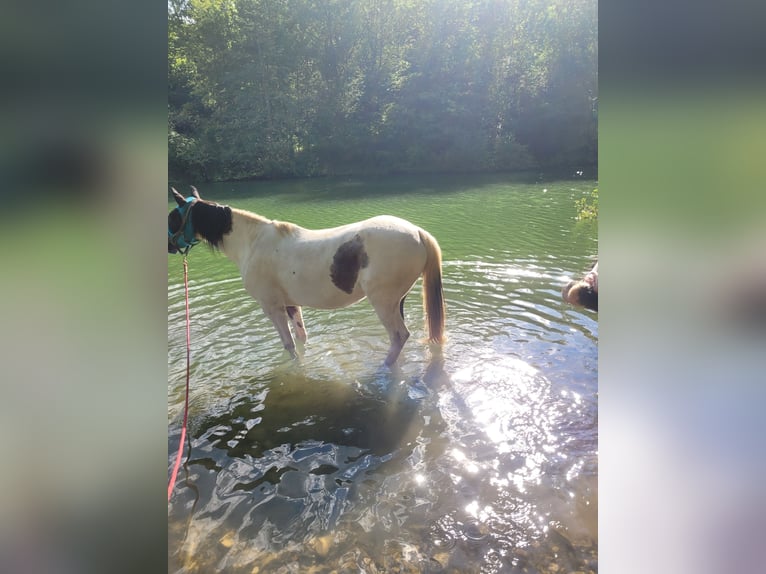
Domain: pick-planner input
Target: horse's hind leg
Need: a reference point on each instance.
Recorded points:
(296, 318)
(391, 314)
(278, 316)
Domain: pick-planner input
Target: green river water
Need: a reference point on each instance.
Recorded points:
(482, 461)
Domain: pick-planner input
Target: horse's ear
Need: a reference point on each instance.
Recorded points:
(179, 198)
(195, 193)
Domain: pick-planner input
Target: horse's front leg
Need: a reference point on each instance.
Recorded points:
(278, 316)
(296, 318)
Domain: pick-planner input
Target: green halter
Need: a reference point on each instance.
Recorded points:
(184, 238)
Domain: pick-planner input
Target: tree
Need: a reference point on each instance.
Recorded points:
(274, 88)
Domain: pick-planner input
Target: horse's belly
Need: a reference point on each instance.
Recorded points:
(324, 298)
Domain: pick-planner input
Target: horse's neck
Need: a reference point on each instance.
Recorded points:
(245, 227)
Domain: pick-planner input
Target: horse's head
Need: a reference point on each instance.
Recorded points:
(181, 235)
(583, 292)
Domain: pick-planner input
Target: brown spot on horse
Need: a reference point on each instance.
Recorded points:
(346, 263)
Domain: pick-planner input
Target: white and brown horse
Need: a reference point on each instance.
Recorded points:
(285, 266)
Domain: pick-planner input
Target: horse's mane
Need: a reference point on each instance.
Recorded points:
(212, 222)
(283, 227)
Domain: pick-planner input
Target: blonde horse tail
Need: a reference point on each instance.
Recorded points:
(433, 294)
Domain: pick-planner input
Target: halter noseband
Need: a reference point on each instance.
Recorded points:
(184, 238)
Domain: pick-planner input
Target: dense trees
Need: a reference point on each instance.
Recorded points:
(275, 88)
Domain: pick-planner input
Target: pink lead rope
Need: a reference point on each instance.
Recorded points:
(186, 400)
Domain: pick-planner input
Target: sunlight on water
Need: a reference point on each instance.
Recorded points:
(482, 460)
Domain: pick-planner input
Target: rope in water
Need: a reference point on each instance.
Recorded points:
(186, 400)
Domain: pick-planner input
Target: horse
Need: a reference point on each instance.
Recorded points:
(583, 292)
(285, 267)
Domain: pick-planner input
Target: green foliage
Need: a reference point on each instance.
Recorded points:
(275, 88)
(587, 207)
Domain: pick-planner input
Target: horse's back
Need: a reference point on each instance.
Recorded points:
(335, 267)
(378, 227)
(380, 242)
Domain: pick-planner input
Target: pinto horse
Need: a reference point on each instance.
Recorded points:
(285, 267)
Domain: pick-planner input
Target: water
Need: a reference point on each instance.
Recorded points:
(481, 460)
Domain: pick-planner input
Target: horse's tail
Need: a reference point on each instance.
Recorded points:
(433, 294)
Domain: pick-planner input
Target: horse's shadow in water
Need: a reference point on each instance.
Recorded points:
(301, 409)
(300, 451)
(379, 415)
